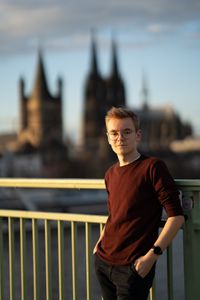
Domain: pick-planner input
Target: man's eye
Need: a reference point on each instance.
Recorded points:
(114, 133)
(127, 132)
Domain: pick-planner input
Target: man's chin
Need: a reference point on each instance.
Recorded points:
(121, 151)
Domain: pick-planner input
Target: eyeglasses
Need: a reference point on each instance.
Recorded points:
(114, 134)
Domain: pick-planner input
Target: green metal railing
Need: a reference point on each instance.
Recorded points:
(60, 220)
(23, 221)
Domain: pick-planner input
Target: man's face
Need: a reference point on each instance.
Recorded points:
(122, 136)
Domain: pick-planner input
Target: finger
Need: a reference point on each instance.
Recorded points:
(135, 262)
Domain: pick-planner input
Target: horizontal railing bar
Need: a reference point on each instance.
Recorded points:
(191, 184)
(53, 183)
(53, 216)
(78, 183)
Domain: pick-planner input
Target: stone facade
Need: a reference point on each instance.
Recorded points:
(40, 112)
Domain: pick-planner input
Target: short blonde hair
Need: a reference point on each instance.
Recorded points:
(122, 113)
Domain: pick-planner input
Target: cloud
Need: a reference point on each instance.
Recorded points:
(24, 23)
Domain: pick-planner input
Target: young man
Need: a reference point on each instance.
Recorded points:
(138, 188)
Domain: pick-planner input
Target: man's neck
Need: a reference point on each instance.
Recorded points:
(126, 160)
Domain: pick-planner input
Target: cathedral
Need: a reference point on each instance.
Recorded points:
(41, 125)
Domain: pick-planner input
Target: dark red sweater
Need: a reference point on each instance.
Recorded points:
(136, 194)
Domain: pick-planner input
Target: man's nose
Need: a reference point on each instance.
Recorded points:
(120, 136)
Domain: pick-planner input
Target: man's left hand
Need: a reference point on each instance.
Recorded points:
(144, 263)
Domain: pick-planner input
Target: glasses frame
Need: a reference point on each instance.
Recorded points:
(113, 135)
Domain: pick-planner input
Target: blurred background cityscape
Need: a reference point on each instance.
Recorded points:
(63, 64)
(142, 55)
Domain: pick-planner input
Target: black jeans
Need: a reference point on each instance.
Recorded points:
(122, 282)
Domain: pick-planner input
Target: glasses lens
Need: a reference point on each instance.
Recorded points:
(114, 135)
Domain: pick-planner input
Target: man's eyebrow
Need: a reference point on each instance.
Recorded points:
(115, 130)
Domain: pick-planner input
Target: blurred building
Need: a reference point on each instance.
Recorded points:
(40, 112)
(38, 150)
(160, 126)
(40, 137)
(100, 93)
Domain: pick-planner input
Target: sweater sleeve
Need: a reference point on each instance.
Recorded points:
(165, 188)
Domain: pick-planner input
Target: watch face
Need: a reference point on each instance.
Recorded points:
(157, 250)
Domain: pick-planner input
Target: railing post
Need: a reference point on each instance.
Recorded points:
(11, 257)
(35, 260)
(23, 258)
(48, 260)
(192, 245)
(1, 261)
(61, 259)
(170, 273)
(88, 258)
(74, 260)
(152, 293)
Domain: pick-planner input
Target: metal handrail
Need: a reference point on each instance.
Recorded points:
(189, 187)
(193, 184)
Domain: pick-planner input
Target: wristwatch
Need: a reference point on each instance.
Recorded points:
(157, 250)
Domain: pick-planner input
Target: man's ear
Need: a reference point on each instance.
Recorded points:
(139, 135)
(108, 138)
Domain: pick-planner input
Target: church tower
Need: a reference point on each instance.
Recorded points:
(41, 113)
(115, 95)
(94, 104)
(100, 94)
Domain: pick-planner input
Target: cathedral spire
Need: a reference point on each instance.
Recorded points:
(144, 92)
(40, 85)
(94, 65)
(114, 67)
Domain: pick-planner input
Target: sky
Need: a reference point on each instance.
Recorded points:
(156, 39)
